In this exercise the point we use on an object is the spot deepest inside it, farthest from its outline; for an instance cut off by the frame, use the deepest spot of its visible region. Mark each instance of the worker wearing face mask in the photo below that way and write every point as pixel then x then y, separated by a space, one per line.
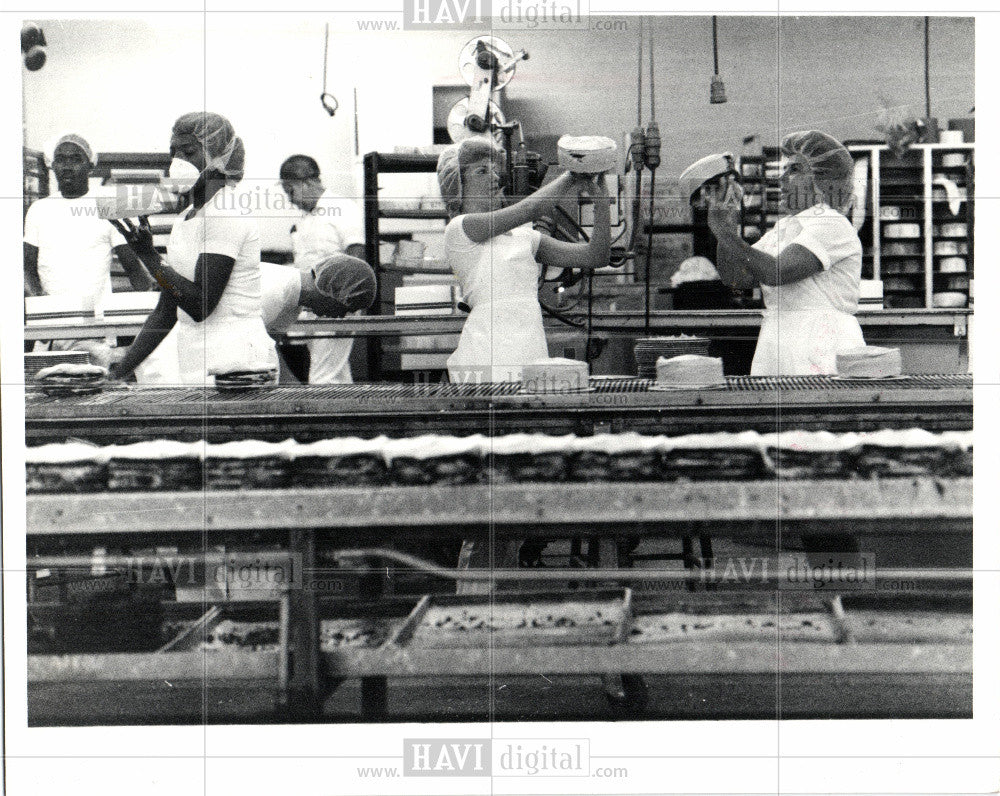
pixel 330 225
pixel 808 265
pixel 210 278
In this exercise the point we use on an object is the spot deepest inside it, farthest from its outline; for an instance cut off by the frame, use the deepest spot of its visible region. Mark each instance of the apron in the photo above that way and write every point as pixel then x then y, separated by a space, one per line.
pixel 227 344
pixel 803 342
pixel 329 357
pixel 499 337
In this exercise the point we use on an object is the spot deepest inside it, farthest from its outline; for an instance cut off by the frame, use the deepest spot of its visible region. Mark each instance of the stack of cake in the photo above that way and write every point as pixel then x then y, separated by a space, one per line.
pixel 869 362
pixel 242 380
pixel 70 378
pixel 650 349
pixel 156 465
pixel 689 371
pixel 433 459
pixel 344 461
pixel 556 375
pixel 248 464
pixel 35 362
pixel 66 467
pixel 441 460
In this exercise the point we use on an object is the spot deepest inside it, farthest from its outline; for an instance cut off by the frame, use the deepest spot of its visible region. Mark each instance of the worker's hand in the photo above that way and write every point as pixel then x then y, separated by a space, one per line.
pixel 139 238
pixel 722 216
pixel 115 360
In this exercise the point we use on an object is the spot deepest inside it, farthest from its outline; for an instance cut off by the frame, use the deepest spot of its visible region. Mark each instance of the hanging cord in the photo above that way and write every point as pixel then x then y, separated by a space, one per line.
pixel 326 98
pixel 652 153
pixel 927 65
pixel 715 44
pixel 652 86
pixel 638 112
pixel 649 248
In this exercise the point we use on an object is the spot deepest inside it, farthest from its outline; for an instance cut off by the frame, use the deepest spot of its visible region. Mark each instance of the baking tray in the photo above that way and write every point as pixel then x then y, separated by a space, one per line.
pixel 520 619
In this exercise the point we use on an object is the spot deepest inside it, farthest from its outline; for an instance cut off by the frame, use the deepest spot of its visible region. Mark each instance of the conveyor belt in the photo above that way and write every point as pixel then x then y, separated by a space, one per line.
pixel 936 402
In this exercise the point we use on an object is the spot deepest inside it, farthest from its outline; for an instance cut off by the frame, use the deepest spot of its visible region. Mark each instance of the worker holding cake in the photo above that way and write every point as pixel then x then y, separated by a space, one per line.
pixel 498 258
pixel 808 265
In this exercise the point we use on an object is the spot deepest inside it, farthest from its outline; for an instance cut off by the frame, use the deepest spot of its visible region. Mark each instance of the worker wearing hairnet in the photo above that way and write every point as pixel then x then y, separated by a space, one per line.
pixel 210 278
pixel 330 225
pixel 808 265
pixel 68 250
pixel 344 285
pixel 498 257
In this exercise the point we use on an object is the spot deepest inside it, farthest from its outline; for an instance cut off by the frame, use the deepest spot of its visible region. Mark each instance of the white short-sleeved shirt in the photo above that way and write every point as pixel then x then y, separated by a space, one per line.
pixel 220 227
pixel 334 224
pixel 233 336
pixel 502 267
pixel 74 245
pixel 832 238
pixel 280 289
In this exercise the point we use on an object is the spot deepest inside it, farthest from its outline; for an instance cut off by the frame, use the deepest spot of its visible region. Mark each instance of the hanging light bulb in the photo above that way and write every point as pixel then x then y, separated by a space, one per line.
pixel 32 44
pixel 717 92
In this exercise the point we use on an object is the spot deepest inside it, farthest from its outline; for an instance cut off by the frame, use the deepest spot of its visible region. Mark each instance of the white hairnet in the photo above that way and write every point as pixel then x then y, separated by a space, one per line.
pixel 831 164
pixel 453 160
pixel 347 280
pixel 76 140
pixel 223 148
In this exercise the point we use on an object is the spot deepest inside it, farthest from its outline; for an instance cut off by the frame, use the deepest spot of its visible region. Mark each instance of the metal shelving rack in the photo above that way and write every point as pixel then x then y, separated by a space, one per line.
pixel 906 183
pixel 375 164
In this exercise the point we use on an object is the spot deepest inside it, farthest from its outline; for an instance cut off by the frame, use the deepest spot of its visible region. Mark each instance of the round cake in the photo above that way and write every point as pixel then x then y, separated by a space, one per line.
pixel 556 375
pixel 689 370
pixel 869 362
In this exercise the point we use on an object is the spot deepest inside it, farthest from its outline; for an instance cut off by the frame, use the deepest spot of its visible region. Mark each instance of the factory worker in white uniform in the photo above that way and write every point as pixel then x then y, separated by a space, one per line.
pixel 343 285
pixel 498 258
pixel 331 224
pixel 210 279
pixel 808 265
pixel 68 250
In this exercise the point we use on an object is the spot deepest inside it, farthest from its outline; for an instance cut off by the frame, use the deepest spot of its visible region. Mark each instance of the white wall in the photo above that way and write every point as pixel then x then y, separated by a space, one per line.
pixel 122 83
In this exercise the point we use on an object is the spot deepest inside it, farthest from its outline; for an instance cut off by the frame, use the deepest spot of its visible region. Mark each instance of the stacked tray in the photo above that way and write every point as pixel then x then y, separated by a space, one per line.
pixel 243 380
pixel 650 349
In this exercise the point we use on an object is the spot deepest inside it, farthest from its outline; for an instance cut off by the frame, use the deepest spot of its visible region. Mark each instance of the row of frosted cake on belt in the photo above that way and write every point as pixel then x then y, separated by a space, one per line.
pixel 447 460
pixel 693 370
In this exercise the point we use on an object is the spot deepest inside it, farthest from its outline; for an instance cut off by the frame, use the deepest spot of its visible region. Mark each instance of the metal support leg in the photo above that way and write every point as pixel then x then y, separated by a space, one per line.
pixel 374 690
pixel 626 693
pixel 304 696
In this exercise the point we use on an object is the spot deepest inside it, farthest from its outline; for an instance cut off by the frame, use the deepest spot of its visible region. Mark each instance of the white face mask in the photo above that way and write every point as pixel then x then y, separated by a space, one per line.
pixel 182 175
